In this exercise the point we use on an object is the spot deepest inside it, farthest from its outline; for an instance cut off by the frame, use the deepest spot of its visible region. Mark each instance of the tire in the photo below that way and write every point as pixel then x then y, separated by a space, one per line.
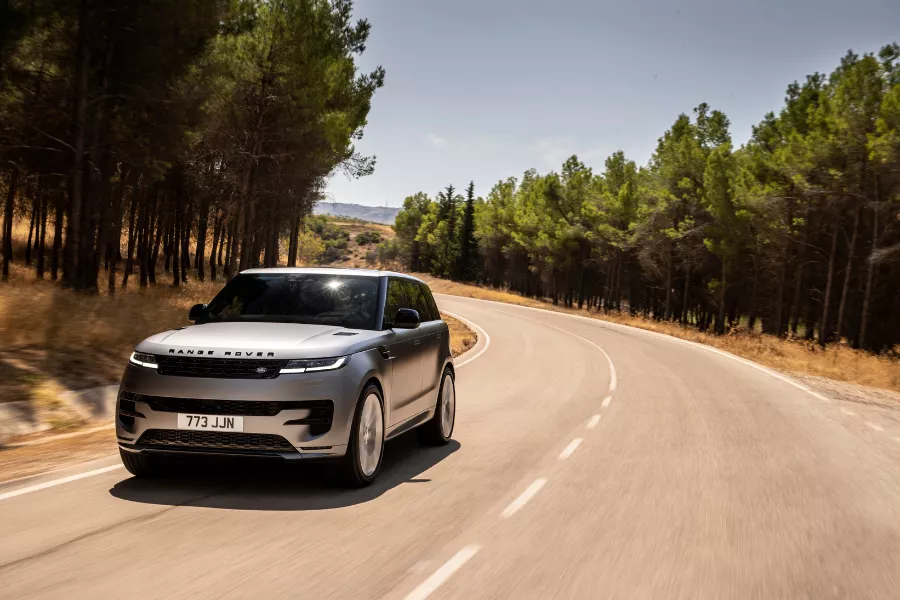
pixel 140 465
pixel 365 449
pixel 439 429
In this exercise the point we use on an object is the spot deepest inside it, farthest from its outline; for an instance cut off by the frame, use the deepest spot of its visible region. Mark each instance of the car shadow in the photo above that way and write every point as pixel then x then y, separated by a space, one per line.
pixel 259 484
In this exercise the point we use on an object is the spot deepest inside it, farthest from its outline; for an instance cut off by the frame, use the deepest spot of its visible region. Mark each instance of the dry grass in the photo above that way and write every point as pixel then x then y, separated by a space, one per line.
pixel 461 337
pixel 81 341
pixel 836 361
pixel 31 460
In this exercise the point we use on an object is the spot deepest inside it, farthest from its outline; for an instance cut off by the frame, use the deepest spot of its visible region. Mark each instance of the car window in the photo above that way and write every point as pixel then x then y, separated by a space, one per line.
pixel 403 293
pixel 345 301
pixel 429 298
pixel 420 304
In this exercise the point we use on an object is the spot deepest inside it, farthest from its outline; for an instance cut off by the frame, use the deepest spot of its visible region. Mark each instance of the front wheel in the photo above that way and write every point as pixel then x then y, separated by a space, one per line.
pixel 439 429
pixel 366 445
pixel 140 465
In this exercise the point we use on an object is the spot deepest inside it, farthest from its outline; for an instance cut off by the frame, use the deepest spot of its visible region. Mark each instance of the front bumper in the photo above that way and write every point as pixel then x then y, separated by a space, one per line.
pixel 293 416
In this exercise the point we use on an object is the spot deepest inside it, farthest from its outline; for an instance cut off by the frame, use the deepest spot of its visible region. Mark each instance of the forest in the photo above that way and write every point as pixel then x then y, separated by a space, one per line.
pixel 794 234
pixel 191 133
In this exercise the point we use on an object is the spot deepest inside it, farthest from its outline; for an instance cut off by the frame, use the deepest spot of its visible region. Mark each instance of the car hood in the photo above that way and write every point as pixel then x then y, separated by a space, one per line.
pixel 261 340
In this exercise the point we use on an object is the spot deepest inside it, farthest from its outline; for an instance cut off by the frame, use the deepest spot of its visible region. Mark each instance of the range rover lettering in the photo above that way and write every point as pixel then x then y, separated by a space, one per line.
pixel 297 364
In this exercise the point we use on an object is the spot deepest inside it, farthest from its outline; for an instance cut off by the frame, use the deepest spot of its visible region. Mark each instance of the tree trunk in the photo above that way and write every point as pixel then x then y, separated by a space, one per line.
pixel 57 236
pixel 32 237
pixel 73 270
pixel 668 307
pixel 202 227
pixel 720 317
pixel 826 302
pixel 8 220
pixel 847 272
pixel 295 238
pixel 132 235
pixel 176 244
pixel 216 243
pixel 870 276
pixel 42 240
pixel 684 299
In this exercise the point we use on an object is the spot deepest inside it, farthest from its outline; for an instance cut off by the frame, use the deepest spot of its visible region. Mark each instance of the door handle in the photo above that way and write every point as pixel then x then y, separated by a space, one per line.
pixel 416 342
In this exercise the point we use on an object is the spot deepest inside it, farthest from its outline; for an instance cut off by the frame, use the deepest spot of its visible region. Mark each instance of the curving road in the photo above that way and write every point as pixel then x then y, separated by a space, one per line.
pixel 590 461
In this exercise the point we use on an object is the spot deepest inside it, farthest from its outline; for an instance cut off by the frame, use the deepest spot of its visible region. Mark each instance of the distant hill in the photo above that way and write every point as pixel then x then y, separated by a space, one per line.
pixel 376 214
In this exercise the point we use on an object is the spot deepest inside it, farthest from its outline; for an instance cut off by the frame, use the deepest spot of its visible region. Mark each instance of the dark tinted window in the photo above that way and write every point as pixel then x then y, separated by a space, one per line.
pixel 297 298
pixel 435 313
pixel 403 293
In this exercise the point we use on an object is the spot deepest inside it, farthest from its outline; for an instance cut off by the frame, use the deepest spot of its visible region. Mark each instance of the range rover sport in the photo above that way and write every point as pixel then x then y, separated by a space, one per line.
pixel 293 363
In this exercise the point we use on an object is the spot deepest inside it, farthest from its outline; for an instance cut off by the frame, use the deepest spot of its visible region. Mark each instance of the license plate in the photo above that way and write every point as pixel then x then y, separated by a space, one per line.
pixel 210 423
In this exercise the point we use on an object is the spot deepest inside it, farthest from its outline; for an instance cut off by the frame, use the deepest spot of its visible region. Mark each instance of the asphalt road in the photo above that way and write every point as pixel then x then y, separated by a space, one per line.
pixel 589 461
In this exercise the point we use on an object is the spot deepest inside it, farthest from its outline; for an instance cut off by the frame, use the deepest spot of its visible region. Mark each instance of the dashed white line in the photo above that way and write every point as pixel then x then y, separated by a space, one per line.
pixel 427 587
pixel 875 426
pixel 606 401
pixel 487 338
pixel 568 450
pixel 523 498
pixel 848 412
pixel 49 484
pixel 592 422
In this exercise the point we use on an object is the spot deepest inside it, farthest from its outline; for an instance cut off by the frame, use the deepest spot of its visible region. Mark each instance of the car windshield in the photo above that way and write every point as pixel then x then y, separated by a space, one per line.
pixel 339 300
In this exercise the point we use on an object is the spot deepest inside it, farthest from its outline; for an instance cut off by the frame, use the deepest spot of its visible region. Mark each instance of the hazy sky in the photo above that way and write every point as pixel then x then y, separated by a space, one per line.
pixel 483 90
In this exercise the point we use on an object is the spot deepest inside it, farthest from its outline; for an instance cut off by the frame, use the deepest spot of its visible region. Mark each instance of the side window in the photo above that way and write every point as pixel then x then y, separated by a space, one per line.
pixel 429 300
pixel 396 299
pixel 417 301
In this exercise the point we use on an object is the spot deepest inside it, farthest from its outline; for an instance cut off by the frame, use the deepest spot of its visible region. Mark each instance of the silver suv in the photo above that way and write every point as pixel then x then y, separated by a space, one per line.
pixel 296 364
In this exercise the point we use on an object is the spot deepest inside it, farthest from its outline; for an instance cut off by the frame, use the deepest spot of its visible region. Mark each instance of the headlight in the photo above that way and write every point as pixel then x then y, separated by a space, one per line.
pixel 314 364
pixel 143 359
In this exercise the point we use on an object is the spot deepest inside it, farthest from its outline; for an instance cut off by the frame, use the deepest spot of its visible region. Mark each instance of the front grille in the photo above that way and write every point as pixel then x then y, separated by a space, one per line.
pixel 215 440
pixel 241 408
pixel 219 368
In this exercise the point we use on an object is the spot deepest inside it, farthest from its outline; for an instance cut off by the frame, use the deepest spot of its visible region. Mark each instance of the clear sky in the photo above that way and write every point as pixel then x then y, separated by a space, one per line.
pixel 484 89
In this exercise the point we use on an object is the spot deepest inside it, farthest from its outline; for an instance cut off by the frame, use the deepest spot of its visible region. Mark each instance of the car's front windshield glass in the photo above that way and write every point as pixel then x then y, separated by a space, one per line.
pixel 340 300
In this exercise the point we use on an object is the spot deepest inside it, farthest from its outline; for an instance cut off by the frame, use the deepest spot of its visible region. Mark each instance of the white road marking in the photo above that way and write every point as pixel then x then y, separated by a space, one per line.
pixel 427 587
pixel 638 330
pixel 523 498
pixel 487 338
pixel 848 412
pixel 613 379
pixel 55 482
pixel 606 401
pixel 62 436
pixel 875 426
pixel 568 450
pixel 592 422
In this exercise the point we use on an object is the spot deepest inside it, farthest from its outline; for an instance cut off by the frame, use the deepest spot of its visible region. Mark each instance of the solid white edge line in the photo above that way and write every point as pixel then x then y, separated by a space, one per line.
pixel 606 401
pixel 613 378
pixel 61 436
pixel 523 498
pixel 592 422
pixel 427 587
pixel 570 449
pixel 49 484
pixel 487 338
pixel 611 325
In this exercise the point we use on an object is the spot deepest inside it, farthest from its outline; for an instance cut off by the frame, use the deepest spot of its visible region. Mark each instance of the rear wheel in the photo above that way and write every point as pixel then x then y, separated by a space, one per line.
pixel 366 445
pixel 439 429
pixel 140 465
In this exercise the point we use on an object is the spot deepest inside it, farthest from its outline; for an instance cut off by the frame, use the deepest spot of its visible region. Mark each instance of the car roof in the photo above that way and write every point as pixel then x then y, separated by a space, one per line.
pixel 329 271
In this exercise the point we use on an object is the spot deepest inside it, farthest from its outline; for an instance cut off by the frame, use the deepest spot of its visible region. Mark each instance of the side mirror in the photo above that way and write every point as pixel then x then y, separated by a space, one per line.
pixel 196 312
pixel 406 318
